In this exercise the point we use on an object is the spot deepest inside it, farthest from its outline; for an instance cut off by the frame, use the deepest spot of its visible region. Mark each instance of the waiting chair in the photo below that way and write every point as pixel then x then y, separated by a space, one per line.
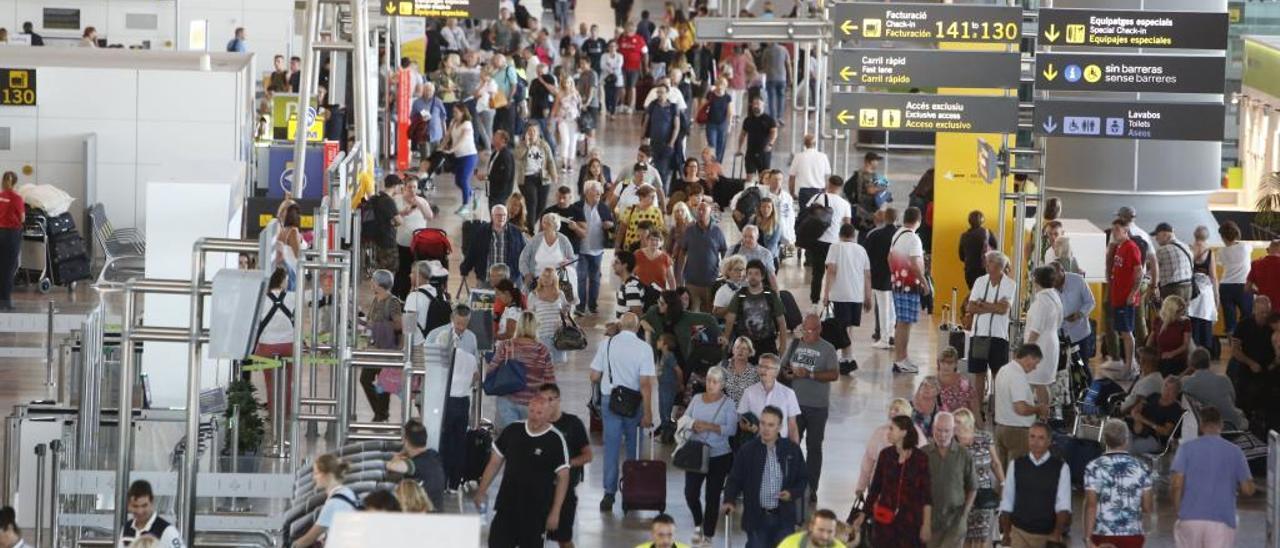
pixel 124 249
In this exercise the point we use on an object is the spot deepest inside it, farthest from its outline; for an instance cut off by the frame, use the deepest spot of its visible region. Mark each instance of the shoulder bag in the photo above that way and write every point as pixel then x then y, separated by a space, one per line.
pixel 980 346
pixel 694 455
pixel 509 378
pixel 569 336
pixel 880 512
pixel 1195 289
pixel 623 401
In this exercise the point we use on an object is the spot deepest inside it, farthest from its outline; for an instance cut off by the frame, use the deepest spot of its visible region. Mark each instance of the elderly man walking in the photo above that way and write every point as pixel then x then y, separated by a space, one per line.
pixel 953 482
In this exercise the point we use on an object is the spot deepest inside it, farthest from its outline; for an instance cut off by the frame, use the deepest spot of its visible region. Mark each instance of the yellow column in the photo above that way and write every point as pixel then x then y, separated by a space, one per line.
pixel 959 190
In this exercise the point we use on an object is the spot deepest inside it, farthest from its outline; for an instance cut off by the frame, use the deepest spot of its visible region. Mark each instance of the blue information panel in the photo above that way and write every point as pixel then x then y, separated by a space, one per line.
pixel 280 175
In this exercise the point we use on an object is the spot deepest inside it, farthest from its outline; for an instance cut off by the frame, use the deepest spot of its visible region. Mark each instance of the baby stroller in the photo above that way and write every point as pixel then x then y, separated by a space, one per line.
pixel 433 245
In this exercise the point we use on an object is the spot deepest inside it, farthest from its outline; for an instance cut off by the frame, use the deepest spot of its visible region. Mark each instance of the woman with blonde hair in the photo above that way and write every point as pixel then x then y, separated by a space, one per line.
pixel 550 305
pixel 536 358
pixel 899 407
pixel 549 248
pixel 517 213
pixel 484 108
pixel 535 172
pixel 1065 257
pixel 413 498
pixel 733 269
pixel 681 220
pixel 740 373
pixel 328 473
pixel 1171 336
pixel 462 145
pixel 990 477
pixel 566 111
pixel 766 221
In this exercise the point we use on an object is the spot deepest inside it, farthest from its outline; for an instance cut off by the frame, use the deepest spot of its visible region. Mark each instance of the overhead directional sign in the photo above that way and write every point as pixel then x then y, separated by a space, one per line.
pixel 462 9
pixel 929 113
pixel 926 22
pixel 926 68
pixel 1128 120
pixel 1133 29
pixel 1116 72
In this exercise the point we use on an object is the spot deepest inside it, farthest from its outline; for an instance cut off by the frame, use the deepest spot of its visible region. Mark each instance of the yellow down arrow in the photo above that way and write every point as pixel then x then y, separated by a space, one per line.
pixel 391 7
pixel 848 27
pixel 847 73
pixel 1049 73
pixel 844 117
pixel 1052 34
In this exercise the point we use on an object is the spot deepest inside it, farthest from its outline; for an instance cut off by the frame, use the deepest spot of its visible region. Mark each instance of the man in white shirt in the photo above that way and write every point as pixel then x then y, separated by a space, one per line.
pixel 1015 403
pixel 770 392
pixel 848 282
pixel 624 361
pixel 809 169
pixel 841 214
pixel 1024 519
pixel 142 508
pixel 989 303
pixel 457 408
pixel 906 264
pixel 425 309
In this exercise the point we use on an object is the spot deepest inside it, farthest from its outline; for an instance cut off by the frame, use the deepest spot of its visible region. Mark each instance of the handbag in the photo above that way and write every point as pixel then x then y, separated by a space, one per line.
pixel 814 221
pixel 704 113
pixel 623 401
pixel 880 512
pixel 694 455
pixel 980 346
pixel 569 336
pixel 986 499
pixel 498 100
pixel 834 330
pixel 509 378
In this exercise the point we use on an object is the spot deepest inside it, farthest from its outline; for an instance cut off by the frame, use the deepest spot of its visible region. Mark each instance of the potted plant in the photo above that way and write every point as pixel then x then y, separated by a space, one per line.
pixel 1268 204
pixel 240 395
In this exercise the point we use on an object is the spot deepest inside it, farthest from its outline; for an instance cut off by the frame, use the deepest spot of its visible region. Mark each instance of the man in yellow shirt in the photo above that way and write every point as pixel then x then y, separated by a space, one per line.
pixel 820 534
pixel 662 534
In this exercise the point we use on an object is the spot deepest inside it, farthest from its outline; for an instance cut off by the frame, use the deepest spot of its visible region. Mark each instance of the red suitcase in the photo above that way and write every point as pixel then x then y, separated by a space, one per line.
pixel 644 482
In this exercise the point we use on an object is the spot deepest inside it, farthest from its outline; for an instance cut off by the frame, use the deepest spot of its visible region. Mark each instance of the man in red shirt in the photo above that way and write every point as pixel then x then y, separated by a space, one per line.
pixel 633 49
pixel 1124 274
pixel 1264 275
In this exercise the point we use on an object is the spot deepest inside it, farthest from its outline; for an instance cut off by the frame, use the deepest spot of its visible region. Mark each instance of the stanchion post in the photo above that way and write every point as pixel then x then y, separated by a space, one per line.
pixel 39 528
pixel 55 470
pixel 48 346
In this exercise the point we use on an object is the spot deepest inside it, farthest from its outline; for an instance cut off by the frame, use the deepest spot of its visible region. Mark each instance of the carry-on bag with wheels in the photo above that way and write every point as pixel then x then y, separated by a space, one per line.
pixel 644 482
pixel 790 310
pixel 951 333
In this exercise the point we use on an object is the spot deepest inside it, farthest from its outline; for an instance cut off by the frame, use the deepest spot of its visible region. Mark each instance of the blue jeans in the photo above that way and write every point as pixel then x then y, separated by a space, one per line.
pixel 769 531
pixel 463 168
pixel 547 134
pixel 1202 334
pixel 510 412
pixel 589 280
pixel 662 159
pixel 777 97
pixel 716 138
pixel 1234 298
pixel 666 397
pixel 617 429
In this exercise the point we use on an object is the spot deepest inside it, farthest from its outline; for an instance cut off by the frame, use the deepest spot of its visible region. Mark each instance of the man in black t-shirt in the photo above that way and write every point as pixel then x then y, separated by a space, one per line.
pixel 1154 420
pixel 540 100
pixel 878 242
pixel 759 131
pixel 579 446
pixel 419 463
pixel 1252 354
pixel 380 231
pixel 536 479
pixel 595 47
pixel 757 313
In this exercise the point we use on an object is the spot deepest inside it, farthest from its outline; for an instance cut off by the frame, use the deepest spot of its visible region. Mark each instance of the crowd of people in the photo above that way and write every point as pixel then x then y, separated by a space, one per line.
pixel 706 346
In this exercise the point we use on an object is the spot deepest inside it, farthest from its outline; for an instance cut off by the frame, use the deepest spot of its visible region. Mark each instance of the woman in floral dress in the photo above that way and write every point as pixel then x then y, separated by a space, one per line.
pixel 990 477
pixel 956 392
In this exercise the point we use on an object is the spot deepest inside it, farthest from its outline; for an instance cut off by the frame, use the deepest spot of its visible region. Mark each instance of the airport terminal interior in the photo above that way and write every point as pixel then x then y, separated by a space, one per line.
pixel 800 208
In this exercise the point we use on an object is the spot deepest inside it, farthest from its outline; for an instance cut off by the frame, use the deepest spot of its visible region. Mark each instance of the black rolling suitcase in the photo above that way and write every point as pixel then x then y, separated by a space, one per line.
pixel 791 310
pixel 61 224
pixel 951 333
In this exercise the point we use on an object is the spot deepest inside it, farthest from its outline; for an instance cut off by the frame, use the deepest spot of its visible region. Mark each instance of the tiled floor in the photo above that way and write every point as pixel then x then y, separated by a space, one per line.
pixel 858 403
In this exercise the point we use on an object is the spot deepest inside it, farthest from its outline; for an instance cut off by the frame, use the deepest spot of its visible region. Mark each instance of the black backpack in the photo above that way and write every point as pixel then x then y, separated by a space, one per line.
pixel 652 293
pixel 746 206
pixel 438 311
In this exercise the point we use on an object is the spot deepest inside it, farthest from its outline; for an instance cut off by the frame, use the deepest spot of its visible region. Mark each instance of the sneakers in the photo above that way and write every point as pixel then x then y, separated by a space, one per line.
pixel 905 366
pixel 882 345
pixel 699 540
pixel 606 503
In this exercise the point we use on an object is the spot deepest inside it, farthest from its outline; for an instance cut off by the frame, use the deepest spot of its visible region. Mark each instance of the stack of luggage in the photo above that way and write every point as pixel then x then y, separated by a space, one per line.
pixel 68 253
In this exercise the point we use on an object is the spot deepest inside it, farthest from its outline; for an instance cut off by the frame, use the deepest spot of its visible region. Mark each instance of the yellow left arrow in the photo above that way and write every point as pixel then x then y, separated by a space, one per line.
pixel 847 73
pixel 848 27
pixel 844 117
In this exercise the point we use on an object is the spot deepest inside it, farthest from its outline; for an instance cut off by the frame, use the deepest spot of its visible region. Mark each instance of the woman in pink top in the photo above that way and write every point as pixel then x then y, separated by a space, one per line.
pixel 536 358
pixel 899 407
pixel 956 393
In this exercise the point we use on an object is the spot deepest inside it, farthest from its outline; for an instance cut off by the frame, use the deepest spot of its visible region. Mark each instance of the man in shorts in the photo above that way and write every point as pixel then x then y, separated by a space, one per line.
pixel 1124 277
pixel 633 48
pixel 759 131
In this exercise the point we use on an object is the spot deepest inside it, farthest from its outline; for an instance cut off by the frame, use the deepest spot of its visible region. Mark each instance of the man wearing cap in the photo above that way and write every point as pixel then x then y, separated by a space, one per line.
pixel 1147 282
pixel 1175 264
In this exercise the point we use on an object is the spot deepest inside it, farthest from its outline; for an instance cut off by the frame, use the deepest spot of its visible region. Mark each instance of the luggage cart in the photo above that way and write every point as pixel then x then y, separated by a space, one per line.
pixel 34 258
